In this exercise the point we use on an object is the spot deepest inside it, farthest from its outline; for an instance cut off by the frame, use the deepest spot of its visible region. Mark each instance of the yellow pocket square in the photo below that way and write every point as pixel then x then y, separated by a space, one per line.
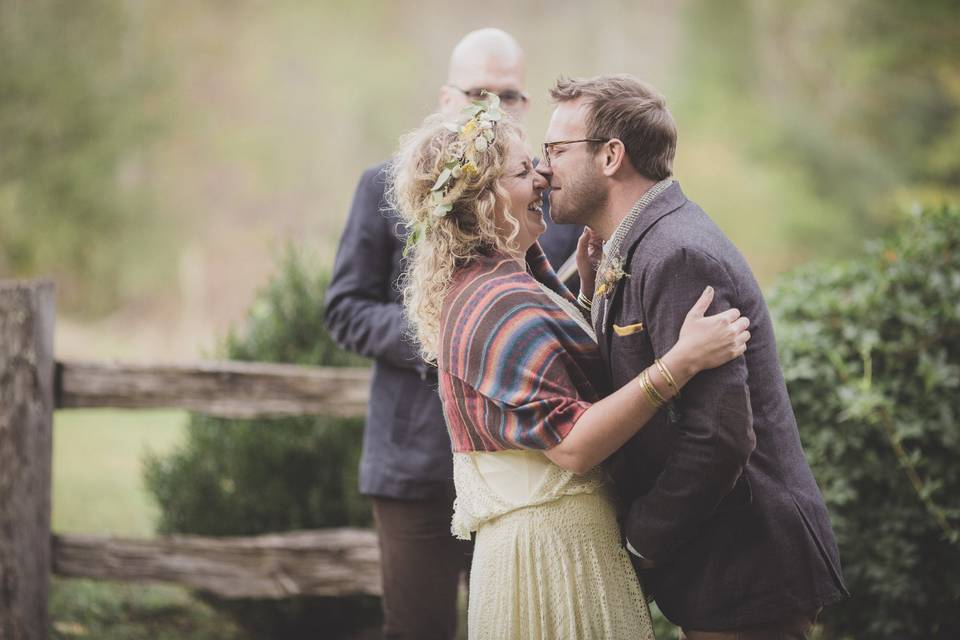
pixel 630 329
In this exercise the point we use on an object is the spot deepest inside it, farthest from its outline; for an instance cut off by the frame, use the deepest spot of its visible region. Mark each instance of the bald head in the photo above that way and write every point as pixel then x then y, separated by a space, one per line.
pixel 485 59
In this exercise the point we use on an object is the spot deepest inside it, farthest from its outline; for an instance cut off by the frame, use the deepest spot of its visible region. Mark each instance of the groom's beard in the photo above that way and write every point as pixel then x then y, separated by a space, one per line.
pixel 581 199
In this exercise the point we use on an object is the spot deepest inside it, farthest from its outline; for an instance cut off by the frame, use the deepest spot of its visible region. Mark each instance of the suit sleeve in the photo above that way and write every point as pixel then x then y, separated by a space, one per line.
pixel 715 421
pixel 361 312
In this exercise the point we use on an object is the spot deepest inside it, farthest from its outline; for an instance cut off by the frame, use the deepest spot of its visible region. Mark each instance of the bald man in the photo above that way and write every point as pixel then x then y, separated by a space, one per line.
pixel 487 59
pixel 406 466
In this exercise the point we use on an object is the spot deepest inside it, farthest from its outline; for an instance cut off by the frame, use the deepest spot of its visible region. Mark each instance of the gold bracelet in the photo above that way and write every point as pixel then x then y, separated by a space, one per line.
pixel 582 300
pixel 651 392
pixel 646 391
pixel 671 381
pixel 655 397
pixel 653 388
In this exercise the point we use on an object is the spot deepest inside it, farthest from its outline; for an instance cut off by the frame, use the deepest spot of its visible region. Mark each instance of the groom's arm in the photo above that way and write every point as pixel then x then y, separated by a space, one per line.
pixel 715 422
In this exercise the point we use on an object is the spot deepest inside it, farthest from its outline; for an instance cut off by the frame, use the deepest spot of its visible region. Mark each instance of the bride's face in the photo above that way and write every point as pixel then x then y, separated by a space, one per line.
pixel 525 187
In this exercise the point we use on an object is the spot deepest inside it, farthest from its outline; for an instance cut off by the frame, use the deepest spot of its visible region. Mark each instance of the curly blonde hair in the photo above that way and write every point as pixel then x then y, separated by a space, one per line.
pixel 446 243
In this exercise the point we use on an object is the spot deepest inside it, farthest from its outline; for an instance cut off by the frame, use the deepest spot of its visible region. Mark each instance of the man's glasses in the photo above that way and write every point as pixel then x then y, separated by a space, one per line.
pixel 550 145
pixel 508 97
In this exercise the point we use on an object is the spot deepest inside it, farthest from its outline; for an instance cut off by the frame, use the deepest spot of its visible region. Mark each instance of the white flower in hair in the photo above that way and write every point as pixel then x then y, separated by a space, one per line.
pixel 475 134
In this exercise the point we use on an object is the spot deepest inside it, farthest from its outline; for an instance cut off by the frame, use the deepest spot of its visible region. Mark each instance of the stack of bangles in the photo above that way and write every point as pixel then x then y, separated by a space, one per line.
pixel 584 302
pixel 653 395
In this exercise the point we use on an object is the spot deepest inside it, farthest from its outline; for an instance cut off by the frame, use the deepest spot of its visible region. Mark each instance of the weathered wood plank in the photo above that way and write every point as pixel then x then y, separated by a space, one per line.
pixel 332 562
pixel 227 389
pixel 27 311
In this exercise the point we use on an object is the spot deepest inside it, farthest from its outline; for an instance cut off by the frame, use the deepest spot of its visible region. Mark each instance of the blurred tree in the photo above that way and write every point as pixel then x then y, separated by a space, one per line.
pixel 881 78
pixel 74 112
pixel 863 96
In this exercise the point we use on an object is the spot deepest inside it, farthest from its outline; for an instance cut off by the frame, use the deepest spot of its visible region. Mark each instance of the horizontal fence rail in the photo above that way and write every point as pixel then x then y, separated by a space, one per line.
pixel 225 389
pixel 329 562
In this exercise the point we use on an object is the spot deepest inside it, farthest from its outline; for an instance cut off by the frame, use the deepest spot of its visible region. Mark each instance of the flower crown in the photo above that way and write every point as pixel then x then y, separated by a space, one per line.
pixel 473 136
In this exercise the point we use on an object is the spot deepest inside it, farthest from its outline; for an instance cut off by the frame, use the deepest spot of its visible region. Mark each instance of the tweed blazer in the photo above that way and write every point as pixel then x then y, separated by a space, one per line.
pixel 715 489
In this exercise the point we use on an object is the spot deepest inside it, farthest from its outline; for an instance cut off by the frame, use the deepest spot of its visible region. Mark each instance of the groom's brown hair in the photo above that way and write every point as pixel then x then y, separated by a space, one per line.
pixel 622 107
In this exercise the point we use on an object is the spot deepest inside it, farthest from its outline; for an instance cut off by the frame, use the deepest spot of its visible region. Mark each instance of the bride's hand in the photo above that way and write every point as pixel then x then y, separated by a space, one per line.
pixel 589 252
pixel 709 341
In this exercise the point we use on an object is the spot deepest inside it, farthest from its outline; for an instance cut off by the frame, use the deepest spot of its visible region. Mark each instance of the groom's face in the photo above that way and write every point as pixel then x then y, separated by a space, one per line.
pixel 578 192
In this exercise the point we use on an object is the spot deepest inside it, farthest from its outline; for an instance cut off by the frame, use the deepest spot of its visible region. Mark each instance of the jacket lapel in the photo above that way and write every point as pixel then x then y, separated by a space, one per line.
pixel 667 202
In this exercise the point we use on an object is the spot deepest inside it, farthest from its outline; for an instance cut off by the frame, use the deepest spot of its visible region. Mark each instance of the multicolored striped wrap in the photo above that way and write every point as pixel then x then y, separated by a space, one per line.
pixel 515 370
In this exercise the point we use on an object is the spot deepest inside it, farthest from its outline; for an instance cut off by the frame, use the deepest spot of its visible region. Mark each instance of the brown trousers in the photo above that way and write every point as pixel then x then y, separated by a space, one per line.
pixel 421 563
pixel 797 627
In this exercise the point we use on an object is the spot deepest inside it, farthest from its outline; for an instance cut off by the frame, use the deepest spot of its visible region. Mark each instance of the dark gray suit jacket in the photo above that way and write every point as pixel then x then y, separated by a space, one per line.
pixel 406 449
pixel 715 489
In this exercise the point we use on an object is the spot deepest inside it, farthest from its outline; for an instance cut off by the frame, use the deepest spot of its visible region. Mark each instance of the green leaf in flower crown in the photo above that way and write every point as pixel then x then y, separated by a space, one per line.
pixel 451 126
pixel 474 109
pixel 493 100
pixel 442 209
pixel 441 179
pixel 416 232
pixel 437 197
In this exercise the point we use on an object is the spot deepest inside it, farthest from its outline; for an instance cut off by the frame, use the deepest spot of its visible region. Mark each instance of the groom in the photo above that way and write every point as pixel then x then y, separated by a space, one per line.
pixel 722 516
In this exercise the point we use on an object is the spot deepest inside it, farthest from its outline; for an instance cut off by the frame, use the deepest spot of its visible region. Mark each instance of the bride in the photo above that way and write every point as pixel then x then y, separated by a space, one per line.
pixel 523 385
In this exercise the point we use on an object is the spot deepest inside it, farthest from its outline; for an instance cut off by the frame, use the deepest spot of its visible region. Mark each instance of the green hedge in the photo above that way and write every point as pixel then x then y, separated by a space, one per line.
pixel 246 477
pixel 871 353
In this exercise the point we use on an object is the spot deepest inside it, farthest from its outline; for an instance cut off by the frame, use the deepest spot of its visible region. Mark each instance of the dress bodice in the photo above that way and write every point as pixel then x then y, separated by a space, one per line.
pixel 491 484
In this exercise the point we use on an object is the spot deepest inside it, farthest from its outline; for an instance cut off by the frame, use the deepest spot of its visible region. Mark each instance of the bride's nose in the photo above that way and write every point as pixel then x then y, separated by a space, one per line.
pixel 539 181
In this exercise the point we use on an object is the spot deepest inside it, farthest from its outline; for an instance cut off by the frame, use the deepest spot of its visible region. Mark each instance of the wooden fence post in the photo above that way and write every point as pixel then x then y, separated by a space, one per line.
pixel 27 311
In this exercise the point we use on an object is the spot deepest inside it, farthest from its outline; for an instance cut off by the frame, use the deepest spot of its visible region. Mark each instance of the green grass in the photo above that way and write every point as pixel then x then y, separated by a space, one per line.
pixel 98 489
pixel 97 485
pixel 116 611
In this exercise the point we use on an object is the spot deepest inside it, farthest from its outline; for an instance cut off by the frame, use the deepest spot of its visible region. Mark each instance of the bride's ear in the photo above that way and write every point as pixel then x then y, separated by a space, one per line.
pixel 613 155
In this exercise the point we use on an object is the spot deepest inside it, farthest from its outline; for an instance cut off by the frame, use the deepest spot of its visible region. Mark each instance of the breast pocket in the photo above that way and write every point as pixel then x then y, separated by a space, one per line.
pixel 631 350
pixel 627 330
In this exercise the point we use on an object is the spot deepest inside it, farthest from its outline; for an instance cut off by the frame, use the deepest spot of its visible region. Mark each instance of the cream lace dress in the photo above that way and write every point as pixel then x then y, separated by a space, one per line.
pixel 547 562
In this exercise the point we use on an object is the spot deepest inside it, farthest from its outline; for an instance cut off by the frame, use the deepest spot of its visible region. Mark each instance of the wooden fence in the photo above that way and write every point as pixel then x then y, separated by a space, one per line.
pixel 33 384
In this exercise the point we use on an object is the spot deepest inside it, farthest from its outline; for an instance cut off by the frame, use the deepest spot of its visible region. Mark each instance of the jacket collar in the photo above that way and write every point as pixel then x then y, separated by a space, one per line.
pixel 667 202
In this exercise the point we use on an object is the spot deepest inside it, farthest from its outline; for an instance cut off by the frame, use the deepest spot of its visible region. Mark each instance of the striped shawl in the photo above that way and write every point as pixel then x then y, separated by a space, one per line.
pixel 515 370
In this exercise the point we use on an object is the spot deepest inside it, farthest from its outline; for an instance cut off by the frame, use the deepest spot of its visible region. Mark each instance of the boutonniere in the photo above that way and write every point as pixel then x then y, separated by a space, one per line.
pixel 610 274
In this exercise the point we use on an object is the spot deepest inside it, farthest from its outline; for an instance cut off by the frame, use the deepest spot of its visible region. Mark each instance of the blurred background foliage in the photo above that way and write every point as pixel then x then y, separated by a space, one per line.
pixel 78 109
pixel 157 156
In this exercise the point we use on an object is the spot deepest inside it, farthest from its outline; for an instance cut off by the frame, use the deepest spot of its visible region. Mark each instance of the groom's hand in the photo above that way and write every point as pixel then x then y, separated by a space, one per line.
pixel 589 252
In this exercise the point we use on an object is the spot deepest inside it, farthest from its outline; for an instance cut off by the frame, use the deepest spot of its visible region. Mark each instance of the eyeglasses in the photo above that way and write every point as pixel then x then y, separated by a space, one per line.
pixel 549 145
pixel 508 97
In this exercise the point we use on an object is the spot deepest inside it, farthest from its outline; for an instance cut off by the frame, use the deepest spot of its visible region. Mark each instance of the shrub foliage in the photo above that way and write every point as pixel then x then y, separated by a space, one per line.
pixel 247 477
pixel 871 352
